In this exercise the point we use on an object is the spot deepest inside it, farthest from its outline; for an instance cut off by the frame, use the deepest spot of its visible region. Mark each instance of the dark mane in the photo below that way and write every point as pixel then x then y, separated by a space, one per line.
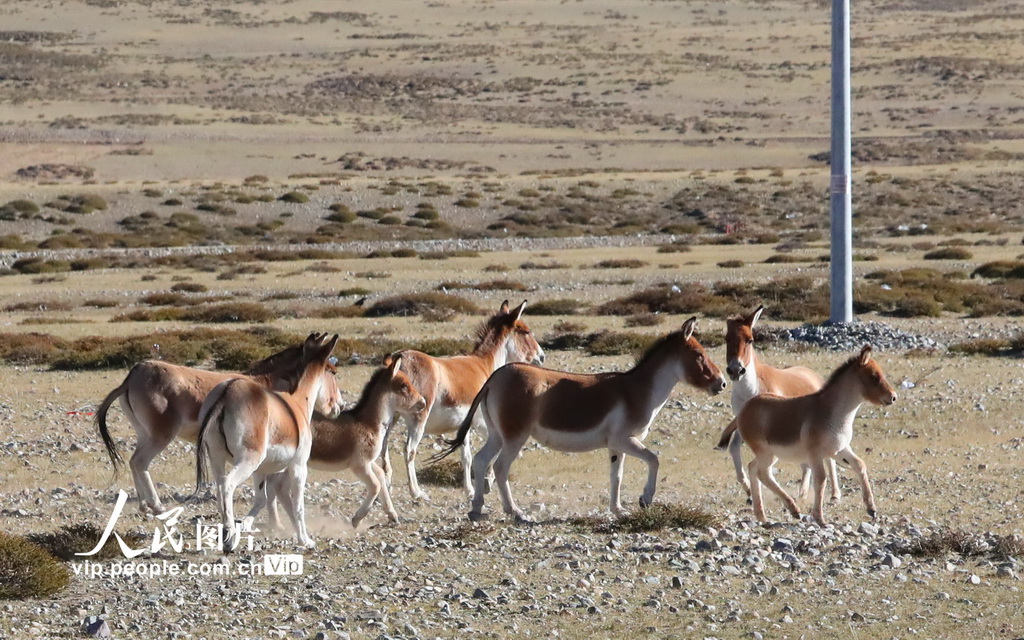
pixel 651 350
pixel 483 331
pixel 842 369
pixel 364 395
pixel 273 363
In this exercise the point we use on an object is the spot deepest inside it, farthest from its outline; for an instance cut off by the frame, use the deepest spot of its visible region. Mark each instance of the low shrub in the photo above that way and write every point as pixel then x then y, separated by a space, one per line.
pixel 416 303
pixel 731 264
pixel 556 307
pixel 644 320
pixel 445 473
pixel 543 265
pixel 617 343
pixel 296 197
pixel 490 285
pixel 621 263
pixel 29 571
pixel 80 538
pixel 949 253
pixel 190 287
pixel 653 518
pixel 1000 270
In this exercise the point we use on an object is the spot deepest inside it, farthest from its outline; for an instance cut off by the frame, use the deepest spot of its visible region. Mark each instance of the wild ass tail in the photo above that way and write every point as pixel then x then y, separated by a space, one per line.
pixel 213 409
pixel 723 442
pixel 101 423
pixel 467 424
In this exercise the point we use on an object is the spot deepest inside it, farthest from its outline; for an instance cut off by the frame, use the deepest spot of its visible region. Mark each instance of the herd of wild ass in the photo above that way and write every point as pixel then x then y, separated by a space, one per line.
pixel 286 416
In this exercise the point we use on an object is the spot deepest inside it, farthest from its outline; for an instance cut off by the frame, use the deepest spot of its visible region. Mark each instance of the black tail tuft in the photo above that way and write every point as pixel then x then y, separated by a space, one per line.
pixel 101 424
pixel 451 446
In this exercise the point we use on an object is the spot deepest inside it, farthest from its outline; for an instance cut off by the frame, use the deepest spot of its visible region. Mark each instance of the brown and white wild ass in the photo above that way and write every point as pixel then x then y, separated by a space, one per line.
pixel 751 376
pixel 811 429
pixel 353 439
pixel 583 412
pixel 162 400
pixel 448 385
pixel 262 432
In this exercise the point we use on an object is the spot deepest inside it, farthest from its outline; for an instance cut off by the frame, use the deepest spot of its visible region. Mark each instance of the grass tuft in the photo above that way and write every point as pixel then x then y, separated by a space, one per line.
pixel 79 538
pixel 654 518
pixel 27 570
pixel 445 473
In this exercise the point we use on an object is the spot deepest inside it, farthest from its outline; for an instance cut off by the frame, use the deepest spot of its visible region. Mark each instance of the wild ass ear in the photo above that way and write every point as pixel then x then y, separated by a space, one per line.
pixel 518 312
pixel 503 309
pixel 310 344
pixel 327 346
pixel 865 354
pixel 395 366
pixel 753 317
pixel 688 327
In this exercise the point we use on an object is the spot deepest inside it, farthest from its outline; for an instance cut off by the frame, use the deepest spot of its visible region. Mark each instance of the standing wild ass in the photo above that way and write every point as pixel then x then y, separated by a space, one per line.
pixel 448 385
pixel 583 412
pixel 262 432
pixel 353 439
pixel 751 377
pixel 811 429
pixel 162 400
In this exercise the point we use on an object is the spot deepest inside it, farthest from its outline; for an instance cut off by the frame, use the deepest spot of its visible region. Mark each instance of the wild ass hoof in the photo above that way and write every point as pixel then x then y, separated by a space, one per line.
pixel 645 502
pixel 836 499
pixel 750 501
pixel 487 486
pixel 355 523
pixel 521 520
pixel 872 514
pixel 421 496
pixel 477 516
pixel 309 543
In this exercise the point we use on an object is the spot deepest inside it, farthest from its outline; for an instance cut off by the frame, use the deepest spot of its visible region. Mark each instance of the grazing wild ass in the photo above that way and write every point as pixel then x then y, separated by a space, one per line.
pixel 162 400
pixel 449 385
pixel 583 412
pixel 811 429
pixel 353 438
pixel 751 377
pixel 262 432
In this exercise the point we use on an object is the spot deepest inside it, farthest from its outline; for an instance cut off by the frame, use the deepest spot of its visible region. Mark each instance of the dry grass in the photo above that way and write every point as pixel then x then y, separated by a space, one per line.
pixel 656 517
pixel 29 571
pixel 444 473
pixel 80 538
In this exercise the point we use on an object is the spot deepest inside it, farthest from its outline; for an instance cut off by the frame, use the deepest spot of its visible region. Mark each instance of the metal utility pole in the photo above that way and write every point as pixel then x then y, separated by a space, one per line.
pixel 839 186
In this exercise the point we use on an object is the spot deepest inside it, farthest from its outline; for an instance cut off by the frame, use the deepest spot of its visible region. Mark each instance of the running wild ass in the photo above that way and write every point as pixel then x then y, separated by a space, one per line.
pixel 262 432
pixel 751 377
pixel 811 429
pixel 448 385
pixel 582 412
pixel 352 440
pixel 162 400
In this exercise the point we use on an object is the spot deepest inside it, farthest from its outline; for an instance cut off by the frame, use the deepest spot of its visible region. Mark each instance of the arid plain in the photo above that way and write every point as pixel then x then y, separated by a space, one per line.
pixel 218 179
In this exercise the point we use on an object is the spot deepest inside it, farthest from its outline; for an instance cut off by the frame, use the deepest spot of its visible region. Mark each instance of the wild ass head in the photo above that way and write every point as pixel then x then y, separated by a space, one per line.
pixel 284 369
pixel 874 387
pixel 698 369
pixel 739 343
pixel 507 334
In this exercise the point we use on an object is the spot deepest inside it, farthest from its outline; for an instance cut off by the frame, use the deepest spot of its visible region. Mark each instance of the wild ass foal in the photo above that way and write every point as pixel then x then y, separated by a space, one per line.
pixel 583 412
pixel 262 432
pixel 448 385
pixel 751 377
pixel 353 439
pixel 811 429
pixel 162 400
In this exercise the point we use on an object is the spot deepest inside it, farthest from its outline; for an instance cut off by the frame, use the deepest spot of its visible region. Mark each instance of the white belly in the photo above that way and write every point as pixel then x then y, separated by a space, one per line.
pixel 571 441
pixel 443 419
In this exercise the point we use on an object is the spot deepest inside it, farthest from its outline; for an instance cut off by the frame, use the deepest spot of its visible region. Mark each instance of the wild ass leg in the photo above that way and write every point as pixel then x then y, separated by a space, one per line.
pixel 467 465
pixel 858 465
pixel 294 483
pixel 389 507
pixel 261 491
pixel 736 451
pixel 412 444
pixel 833 478
pixel 369 478
pixel 755 492
pixel 766 475
pixel 147 447
pixel 482 462
pixel 226 486
pixel 275 494
pixel 385 452
pixel 632 446
pixel 805 482
pixel 818 471
pixel 509 453
pixel 616 458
